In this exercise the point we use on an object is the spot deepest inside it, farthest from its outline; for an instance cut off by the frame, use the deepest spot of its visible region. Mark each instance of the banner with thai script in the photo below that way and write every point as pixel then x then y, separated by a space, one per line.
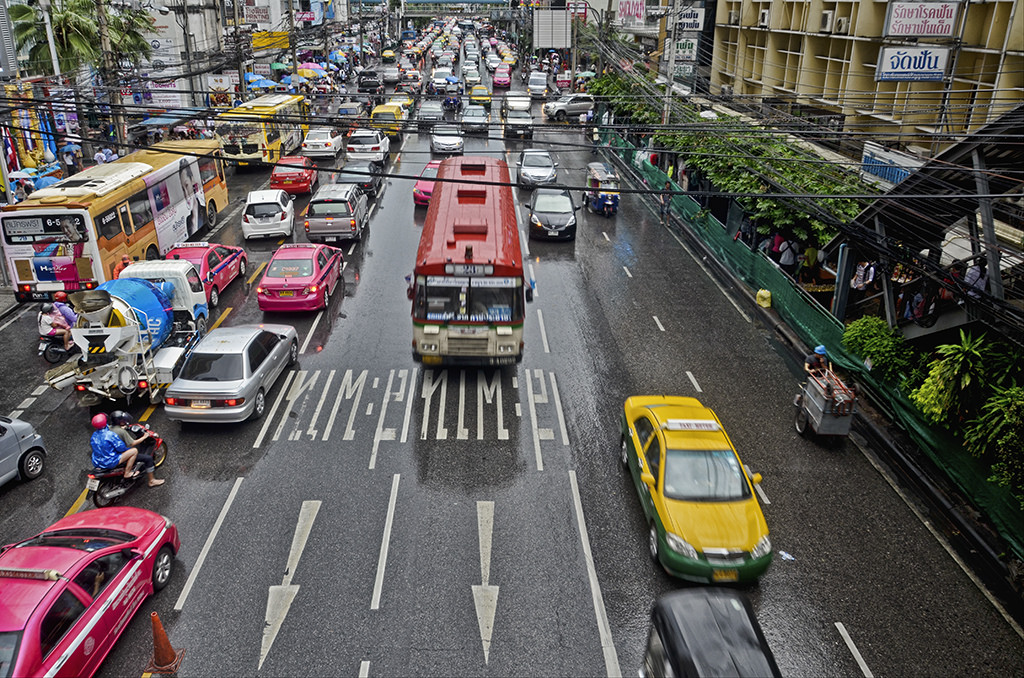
pixel 631 11
pixel 912 63
pixel 921 19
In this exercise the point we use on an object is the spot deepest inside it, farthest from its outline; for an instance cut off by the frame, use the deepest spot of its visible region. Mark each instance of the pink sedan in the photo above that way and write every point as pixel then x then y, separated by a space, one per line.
pixel 502 78
pixel 424 187
pixel 217 264
pixel 300 277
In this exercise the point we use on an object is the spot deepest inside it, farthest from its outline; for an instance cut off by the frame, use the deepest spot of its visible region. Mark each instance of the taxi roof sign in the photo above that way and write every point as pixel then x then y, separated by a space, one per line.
pixel 20 573
pixel 190 244
pixel 691 425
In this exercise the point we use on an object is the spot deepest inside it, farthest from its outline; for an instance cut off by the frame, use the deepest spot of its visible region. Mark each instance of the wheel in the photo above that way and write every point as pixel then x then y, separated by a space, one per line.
pixel 152 254
pixel 101 497
pixel 54 353
pixel 293 353
pixel 214 297
pixel 31 465
pixel 652 542
pixel 560 116
pixel 162 567
pixel 801 422
pixel 624 452
pixel 211 215
pixel 201 326
pixel 160 454
pixel 241 269
pixel 259 404
pixel 327 297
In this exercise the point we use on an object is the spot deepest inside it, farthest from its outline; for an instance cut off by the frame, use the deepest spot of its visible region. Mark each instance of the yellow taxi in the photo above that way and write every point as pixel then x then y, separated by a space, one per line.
pixel 480 96
pixel 402 99
pixel 705 522
pixel 388 56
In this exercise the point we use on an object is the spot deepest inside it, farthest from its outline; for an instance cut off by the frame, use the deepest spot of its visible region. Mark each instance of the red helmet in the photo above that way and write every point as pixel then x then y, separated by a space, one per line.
pixel 99 421
pixel 60 296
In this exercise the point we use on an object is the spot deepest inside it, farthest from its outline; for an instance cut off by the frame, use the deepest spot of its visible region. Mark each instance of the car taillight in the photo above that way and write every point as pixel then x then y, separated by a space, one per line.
pixel 375 148
pixel 310 290
pixel 352 223
pixel 171 401
pixel 306 225
pixel 229 402
pixel 303 144
pixel 143 383
pixel 79 387
pixel 260 290
pixel 284 215
pixel 328 143
pixel 351 149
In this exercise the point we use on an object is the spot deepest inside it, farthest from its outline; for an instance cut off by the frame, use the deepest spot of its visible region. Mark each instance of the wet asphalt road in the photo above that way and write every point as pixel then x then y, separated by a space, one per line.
pixel 363 443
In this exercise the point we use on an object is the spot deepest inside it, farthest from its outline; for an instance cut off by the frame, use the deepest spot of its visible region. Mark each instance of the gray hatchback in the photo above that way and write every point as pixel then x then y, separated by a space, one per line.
pixel 22 453
pixel 336 212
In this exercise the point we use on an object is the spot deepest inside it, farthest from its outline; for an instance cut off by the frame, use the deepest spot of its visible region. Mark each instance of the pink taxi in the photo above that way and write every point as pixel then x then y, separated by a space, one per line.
pixel 300 277
pixel 70 591
pixel 502 77
pixel 424 187
pixel 217 264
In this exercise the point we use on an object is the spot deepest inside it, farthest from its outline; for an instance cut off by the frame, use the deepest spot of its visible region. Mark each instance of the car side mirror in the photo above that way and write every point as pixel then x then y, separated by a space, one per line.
pixel 556 164
pixel 409 292
pixel 130 554
pixel 756 478
pixel 647 479
pixel 529 294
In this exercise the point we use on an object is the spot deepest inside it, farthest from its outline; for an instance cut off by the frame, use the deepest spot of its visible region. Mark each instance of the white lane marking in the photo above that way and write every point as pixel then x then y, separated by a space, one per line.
pixel 854 651
pixel 461 432
pixel 408 405
pixel 378 583
pixel 377 437
pixel 26 403
pixel 15 414
pixel 304 525
pixel 523 239
pixel 558 409
pixel 372 208
pixel 611 657
pixel 606 236
pixel 350 250
pixel 206 547
pixel 693 380
pixel 543 333
pixel 310 431
pixel 364 669
pixel 710 277
pixel 309 335
pixel 273 410
pixel 658 323
pixel 14 319
pixel 942 541
pixel 628 274
pixel 40 390
pixel 485 596
pixel 533 420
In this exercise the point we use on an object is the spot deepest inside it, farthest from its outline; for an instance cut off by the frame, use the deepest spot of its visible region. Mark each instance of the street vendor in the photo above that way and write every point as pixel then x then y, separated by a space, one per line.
pixel 817 363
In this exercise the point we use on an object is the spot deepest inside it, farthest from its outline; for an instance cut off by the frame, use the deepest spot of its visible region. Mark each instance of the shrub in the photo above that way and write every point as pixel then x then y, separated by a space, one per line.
pixel 889 356
pixel 998 433
pixel 956 382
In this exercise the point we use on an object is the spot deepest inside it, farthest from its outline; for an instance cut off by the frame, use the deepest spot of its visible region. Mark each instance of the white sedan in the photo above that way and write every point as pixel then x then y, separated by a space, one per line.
pixel 323 141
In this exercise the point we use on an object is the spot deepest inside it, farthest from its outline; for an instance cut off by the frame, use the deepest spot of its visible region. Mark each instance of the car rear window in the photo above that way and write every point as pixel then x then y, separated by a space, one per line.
pixel 328 209
pixel 263 209
pixel 318 135
pixel 552 202
pixel 213 367
pixel 384 116
pixel 362 140
pixel 290 268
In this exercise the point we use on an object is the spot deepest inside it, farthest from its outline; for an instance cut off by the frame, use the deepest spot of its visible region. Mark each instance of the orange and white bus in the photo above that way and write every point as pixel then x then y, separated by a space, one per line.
pixel 71 235
pixel 264 129
pixel 469 289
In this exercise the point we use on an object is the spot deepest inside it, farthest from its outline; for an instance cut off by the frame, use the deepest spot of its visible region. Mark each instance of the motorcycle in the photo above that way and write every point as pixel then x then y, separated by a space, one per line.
pixel 52 347
pixel 452 103
pixel 109 484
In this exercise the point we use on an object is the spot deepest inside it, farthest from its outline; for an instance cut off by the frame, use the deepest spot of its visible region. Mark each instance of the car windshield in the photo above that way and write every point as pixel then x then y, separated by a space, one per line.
pixel 327 209
pixel 263 209
pixel 704 475
pixel 552 202
pixel 429 172
pixel 83 539
pixel 382 115
pixel 213 367
pixel 290 268
pixel 519 115
pixel 536 160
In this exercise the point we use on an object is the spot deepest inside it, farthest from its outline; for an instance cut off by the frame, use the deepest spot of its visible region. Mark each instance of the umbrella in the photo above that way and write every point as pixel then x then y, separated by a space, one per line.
pixel 278 66
pixel 70 148
pixel 338 56
pixel 586 74
pixel 310 73
pixel 250 77
pixel 262 83
pixel 452 78
pixel 310 64
pixel 293 80
pixel 333 67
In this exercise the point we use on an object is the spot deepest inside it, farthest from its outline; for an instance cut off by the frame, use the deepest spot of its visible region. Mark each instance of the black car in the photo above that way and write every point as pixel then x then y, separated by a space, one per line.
pixel 552 214
pixel 366 175
pixel 371 82
pixel 518 124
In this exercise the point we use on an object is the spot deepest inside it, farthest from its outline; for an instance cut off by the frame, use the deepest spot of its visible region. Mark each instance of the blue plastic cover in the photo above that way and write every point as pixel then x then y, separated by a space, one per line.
pixel 151 305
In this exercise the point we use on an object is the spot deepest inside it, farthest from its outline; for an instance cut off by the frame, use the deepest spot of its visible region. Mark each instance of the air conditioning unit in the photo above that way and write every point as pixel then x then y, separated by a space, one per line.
pixel 842 25
pixel 726 90
pixel 734 17
pixel 827 17
pixel 762 17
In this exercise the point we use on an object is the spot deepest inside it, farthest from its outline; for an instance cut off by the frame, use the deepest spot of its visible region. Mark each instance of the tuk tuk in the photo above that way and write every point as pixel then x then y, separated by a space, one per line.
pixel 706 632
pixel 602 194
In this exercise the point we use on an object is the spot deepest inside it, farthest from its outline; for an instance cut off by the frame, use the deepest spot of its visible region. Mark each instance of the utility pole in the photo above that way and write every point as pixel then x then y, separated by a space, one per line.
pixel 188 53
pixel 292 35
pixel 239 52
pixel 671 70
pixel 109 80
pixel 571 6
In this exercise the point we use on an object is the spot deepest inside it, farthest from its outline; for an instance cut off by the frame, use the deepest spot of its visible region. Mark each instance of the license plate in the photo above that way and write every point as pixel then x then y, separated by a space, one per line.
pixel 200 404
pixel 42 346
pixel 286 293
pixel 331 238
pixel 725 575
pixel 288 181
pixel 553 234
pixel 92 484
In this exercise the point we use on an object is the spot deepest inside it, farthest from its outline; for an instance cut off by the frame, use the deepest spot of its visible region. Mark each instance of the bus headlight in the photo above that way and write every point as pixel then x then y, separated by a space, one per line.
pixel 507 348
pixel 428 348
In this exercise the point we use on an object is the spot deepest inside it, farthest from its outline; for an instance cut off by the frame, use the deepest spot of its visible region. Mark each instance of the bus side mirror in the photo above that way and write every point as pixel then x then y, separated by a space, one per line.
pixel 409 292
pixel 529 294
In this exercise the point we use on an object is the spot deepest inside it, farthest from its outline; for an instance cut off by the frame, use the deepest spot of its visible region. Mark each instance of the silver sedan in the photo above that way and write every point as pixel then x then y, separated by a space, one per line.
pixel 227 376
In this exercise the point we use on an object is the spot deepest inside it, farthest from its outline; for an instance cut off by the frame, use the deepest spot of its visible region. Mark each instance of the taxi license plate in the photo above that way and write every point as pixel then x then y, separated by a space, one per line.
pixel 331 238
pixel 92 484
pixel 288 181
pixel 200 404
pixel 286 293
pixel 725 575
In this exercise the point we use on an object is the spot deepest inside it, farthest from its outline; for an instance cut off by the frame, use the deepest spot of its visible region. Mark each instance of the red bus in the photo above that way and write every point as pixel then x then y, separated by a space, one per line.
pixel 468 288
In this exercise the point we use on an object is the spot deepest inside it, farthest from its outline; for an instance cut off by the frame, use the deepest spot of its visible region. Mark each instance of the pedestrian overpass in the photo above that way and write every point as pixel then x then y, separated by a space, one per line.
pixel 431 8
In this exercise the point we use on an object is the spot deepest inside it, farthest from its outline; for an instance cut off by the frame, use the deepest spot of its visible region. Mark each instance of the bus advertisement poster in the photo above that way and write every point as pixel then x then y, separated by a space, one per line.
pixel 177 198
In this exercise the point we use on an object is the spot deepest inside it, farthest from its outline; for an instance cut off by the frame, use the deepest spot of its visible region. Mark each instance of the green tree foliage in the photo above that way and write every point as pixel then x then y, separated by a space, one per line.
pixel 957 381
pixel 998 433
pixel 872 339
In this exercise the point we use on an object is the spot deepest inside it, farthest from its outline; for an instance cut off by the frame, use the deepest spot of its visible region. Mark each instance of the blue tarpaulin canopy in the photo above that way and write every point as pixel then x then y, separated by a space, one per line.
pixel 174 116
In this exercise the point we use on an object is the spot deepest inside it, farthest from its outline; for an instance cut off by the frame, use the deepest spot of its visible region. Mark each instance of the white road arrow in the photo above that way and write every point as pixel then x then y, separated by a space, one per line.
pixel 485 597
pixel 279 598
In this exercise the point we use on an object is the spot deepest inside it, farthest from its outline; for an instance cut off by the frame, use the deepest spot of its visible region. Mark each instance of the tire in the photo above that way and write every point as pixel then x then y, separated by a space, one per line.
pixel 211 215
pixel 214 297
pixel 327 297
pixel 623 452
pixel 54 353
pixel 560 116
pixel 293 353
pixel 260 405
pixel 652 542
pixel 100 498
pixel 802 423
pixel 31 465
pixel 241 269
pixel 152 254
pixel 163 565
pixel 201 326
pixel 160 454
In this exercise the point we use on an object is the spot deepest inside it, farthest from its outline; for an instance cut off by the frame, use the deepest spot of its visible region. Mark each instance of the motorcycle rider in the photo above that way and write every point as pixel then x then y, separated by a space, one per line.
pixel 60 302
pixel 53 324
pixel 109 452
pixel 132 434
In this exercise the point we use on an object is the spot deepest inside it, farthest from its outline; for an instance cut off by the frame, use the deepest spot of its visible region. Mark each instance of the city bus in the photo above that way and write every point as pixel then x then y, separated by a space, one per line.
pixel 70 236
pixel 468 288
pixel 264 129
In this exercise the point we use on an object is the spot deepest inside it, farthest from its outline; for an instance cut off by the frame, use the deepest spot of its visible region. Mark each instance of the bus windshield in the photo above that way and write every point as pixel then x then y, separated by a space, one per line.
pixel 468 299
pixel 239 131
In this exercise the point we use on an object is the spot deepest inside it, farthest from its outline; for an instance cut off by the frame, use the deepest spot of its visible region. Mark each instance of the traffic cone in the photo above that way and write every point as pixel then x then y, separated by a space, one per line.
pixel 165 659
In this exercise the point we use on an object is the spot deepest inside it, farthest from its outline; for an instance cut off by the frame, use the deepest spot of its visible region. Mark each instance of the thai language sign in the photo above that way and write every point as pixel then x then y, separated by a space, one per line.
pixel 912 63
pixel 691 19
pixel 921 19
pixel 632 11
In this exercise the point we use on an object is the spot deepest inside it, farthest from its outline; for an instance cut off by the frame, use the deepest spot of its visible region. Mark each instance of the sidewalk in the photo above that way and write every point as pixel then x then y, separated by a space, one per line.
pixel 8 305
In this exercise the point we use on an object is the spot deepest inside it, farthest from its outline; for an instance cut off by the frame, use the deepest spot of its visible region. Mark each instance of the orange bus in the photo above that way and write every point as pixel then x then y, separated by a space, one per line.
pixel 468 288
pixel 71 235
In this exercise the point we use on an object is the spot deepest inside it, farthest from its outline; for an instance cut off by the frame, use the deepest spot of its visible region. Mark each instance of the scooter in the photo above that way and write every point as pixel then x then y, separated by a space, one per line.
pixel 53 351
pixel 108 485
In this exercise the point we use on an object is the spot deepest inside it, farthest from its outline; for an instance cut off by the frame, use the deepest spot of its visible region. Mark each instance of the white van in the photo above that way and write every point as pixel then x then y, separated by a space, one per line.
pixel 537 87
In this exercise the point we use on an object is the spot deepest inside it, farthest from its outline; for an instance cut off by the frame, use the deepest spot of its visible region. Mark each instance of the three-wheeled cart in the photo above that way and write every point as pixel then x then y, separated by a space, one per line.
pixel 825 407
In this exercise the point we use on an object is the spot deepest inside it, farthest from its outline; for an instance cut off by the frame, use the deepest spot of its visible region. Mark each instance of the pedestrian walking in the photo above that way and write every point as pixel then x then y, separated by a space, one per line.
pixel 665 202
pixel 787 256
